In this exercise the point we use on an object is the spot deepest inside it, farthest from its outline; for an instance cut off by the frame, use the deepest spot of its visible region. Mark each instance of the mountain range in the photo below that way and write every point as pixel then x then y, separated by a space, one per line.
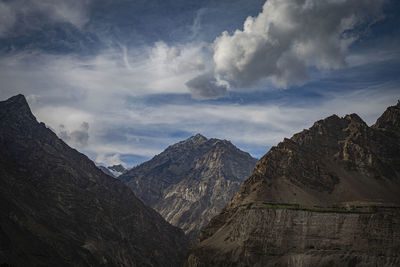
pixel 328 196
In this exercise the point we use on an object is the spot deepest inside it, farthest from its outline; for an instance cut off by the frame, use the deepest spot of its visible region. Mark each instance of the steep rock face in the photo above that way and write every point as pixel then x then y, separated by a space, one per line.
pixel 260 236
pixel 191 181
pixel 330 195
pixel 58 209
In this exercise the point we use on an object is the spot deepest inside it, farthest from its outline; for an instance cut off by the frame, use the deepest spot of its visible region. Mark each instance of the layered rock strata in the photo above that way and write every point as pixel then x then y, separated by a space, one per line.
pixel 329 196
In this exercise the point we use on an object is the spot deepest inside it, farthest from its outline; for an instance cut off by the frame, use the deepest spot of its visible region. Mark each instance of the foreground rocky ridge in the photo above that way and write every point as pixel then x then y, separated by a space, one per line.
pixel 260 236
pixel 191 181
pixel 329 196
pixel 58 209
pixel 336 161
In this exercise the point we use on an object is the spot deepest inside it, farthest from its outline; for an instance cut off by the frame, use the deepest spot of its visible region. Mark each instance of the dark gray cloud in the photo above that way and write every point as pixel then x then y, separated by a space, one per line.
pixel 36 13
pixel 287 37
pixel 79 137
pixel 205 86
pixel 7 18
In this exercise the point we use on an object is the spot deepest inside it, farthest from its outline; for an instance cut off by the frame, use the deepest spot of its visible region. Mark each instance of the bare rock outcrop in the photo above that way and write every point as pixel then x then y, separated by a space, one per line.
pixel 329 196
pixel 191 181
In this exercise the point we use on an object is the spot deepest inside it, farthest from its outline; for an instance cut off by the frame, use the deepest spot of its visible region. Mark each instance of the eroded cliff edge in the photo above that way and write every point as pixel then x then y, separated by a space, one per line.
pixel 329 196
pixel 286 237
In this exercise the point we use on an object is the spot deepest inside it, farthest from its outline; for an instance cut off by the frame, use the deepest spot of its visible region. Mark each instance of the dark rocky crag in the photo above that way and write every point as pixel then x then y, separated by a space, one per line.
pixel 329 196
pixel 58 209
pixel 191 181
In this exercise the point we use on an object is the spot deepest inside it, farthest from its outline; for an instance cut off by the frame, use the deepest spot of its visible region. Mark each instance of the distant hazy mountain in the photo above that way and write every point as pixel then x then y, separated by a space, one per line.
pixel 113 171
pixel 329 196
pixel 58 209
pixel 191 181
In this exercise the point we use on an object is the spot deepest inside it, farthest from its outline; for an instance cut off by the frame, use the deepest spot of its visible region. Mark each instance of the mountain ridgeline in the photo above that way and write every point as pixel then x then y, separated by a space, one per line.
pixel 328 196
pixel 58 209
pixel 191 181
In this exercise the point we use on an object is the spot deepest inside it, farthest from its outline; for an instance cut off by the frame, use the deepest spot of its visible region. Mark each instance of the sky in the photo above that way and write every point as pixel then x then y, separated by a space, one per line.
pixel 121 80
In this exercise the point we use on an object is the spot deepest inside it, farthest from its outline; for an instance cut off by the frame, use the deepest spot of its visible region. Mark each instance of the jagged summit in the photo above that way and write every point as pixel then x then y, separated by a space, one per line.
pixel 195 139
pixel 16 102
pixel 17 107
pixel 117 168
pixel 191 181
pixel 390 119
pixel 198 137
pixel 17 99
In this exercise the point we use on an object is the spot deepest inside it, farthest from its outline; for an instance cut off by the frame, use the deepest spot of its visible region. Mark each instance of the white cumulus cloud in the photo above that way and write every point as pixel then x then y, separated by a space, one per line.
pixel 288 37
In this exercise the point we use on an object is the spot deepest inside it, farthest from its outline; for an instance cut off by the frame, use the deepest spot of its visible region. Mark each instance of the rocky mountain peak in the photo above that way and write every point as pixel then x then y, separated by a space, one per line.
pixel 191 181
pixel 117 168
pixel 18 100
pixel 16 107
pixel 390 119
pixel 354 118
pixel 196 139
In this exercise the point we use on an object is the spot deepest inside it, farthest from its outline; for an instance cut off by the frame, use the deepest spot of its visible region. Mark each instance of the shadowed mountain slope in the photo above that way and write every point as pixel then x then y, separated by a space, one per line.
pixel 58 209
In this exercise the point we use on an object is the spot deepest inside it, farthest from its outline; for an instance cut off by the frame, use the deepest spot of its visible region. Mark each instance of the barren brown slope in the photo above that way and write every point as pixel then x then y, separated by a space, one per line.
pixel 337 160
pixel 58 209
pixel 191 181
pixel 329 196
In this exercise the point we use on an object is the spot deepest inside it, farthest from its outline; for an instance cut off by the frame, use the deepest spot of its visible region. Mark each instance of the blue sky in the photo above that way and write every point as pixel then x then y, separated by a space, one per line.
pixel 122 80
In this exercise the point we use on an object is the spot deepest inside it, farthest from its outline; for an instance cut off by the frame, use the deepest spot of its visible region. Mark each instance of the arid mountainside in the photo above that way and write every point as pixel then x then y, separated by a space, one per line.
pixel 58 209
pixel 337 160
pixel 329 196
pixel 191 181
